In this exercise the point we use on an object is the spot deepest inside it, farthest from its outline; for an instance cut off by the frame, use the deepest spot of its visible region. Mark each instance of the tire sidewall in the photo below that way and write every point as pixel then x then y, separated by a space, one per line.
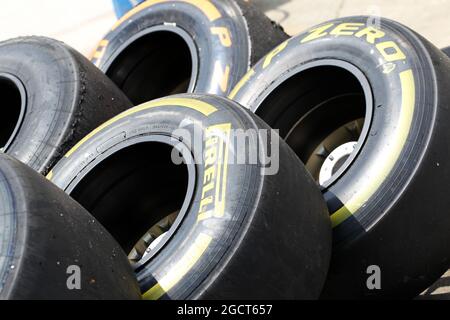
pixel 388 95
pixel 220 63
pixel 214 233
pixel 59 100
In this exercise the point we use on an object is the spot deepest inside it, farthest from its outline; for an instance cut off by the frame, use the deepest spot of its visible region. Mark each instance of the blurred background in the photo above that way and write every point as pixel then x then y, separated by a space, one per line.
pixel 82 23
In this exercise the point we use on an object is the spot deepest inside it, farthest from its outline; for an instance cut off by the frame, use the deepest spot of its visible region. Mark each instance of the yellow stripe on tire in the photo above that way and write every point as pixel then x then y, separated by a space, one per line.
pixel 378 176
pixel 179 269
pixel 197 105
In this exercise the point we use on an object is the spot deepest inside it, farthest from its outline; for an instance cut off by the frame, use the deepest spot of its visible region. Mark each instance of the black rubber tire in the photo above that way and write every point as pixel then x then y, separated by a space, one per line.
pixel 443 281
pixel 401 168
pixel 54 96
pixel 262 227
pixel 167 47
pixel 43 232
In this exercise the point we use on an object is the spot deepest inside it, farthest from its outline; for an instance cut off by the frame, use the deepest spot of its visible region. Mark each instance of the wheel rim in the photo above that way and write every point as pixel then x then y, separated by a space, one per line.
pixel 152 238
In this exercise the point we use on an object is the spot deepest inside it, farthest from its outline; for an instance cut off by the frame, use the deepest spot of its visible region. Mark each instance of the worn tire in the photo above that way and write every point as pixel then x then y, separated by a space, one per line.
pixel 237 223
pixel 43 232
pixel 398 83
pixel 166 47
pixel 54 97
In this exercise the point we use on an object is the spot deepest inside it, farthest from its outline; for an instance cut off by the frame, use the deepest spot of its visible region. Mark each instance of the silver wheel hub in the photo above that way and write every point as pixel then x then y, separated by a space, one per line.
pixel 335 160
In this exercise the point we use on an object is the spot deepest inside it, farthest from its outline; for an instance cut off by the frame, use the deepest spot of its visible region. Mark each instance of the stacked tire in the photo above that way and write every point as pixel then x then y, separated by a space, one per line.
pixel 227 160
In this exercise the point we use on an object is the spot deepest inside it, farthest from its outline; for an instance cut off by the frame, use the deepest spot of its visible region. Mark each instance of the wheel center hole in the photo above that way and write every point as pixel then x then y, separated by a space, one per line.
pixel 136 194
pixel 11 111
